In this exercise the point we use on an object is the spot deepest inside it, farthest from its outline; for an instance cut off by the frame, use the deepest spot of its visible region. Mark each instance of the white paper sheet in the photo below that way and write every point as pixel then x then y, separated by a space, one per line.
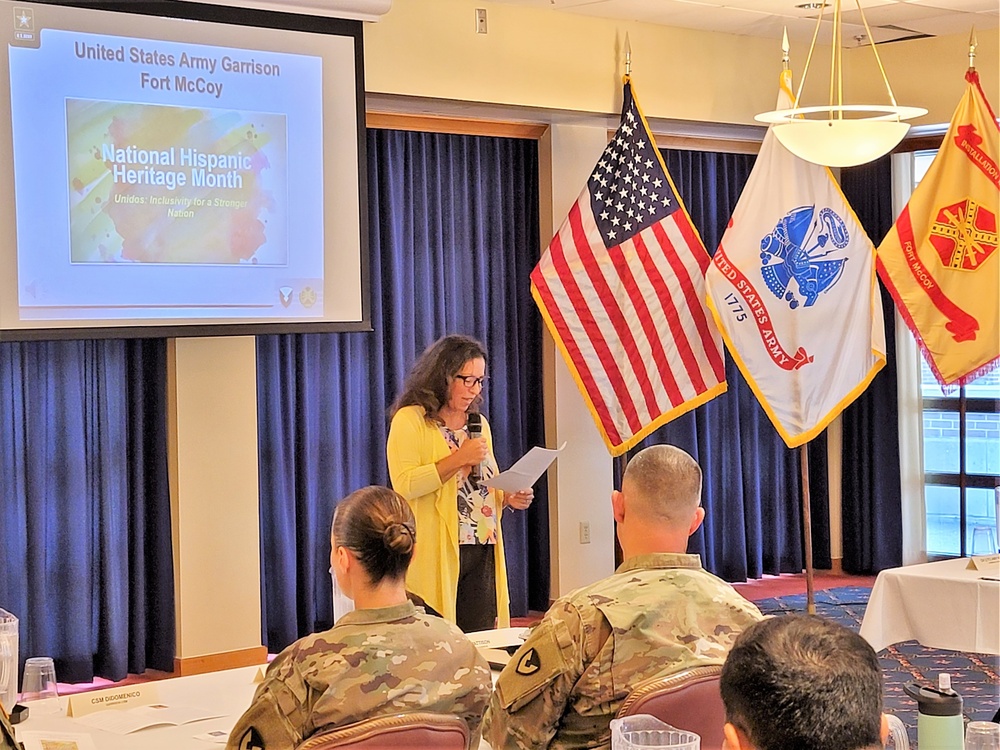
pixel 499 637
pixel 41 740
pixel 216 736
pixel 133 719
pixel 525 471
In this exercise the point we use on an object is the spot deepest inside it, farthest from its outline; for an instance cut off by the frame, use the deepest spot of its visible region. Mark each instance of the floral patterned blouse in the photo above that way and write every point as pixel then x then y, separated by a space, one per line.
pixel 477 521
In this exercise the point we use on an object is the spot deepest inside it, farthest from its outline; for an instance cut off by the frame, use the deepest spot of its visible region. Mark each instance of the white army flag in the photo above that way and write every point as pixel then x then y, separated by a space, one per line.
pixel 792 288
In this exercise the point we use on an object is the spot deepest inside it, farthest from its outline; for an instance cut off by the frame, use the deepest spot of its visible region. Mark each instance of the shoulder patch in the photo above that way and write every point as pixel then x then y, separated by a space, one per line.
pixel 538 662
pixel 529 663
pixel 251 740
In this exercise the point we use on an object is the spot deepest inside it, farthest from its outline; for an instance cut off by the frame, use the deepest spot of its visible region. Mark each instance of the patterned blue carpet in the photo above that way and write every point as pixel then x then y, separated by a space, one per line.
pixel 976 677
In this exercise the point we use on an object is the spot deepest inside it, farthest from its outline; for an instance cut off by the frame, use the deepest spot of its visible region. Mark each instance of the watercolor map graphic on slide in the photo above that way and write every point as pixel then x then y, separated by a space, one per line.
pixel 176 185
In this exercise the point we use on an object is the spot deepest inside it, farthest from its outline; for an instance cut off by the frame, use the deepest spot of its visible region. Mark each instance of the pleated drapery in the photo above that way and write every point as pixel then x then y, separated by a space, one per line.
pixel 872 493
pixel 85 506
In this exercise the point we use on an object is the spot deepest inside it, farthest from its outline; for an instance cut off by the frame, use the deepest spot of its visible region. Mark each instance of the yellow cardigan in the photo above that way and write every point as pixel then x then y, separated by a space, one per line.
pixel 414 447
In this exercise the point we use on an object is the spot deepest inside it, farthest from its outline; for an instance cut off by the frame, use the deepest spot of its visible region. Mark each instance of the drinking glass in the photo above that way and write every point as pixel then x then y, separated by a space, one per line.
pixel 982 735
pixel 897 733
pixel 39 684
pixel 645 732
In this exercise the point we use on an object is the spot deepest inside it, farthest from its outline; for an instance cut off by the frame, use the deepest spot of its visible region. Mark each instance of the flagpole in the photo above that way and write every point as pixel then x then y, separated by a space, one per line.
pixel 803 449
pixel 807 529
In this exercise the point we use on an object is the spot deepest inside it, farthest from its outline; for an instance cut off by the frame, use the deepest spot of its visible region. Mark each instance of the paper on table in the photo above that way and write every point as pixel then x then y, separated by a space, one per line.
pixel 525 471
pixel 498 637
pixel 40 740
pixel 216 735
pixel 133 719
pixel 497 658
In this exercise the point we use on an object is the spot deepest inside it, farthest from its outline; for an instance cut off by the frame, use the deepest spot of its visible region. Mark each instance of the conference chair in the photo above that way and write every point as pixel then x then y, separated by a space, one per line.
pixel 416 731
pixel 689 699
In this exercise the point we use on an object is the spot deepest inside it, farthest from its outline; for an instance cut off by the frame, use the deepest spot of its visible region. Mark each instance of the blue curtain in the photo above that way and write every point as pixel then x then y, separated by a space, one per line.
pixel 85 506
pixel 872 495
pixel 453 224
pixel 752 487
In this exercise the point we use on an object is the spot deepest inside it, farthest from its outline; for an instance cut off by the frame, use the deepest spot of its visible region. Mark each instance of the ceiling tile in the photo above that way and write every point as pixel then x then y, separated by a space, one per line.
pixel 889 19
pixel 954 23
pixel 961 6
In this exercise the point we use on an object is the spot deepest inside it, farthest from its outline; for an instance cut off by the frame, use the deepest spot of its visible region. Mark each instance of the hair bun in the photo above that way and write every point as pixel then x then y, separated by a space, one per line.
pixel 398 537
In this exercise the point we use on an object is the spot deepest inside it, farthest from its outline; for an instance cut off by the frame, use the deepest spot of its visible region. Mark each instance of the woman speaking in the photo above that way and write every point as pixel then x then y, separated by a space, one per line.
pixel 438 457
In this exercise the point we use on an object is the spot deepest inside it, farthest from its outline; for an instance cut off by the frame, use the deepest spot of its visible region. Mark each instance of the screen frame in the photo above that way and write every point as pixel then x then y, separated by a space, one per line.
pixel 236 16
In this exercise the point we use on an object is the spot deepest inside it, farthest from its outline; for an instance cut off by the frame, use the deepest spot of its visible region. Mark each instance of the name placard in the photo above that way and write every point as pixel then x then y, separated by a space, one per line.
pixel 984 562
pixel 131 696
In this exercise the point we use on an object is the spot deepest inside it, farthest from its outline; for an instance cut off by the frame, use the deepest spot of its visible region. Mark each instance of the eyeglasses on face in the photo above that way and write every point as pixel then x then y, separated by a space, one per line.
pixel 471 381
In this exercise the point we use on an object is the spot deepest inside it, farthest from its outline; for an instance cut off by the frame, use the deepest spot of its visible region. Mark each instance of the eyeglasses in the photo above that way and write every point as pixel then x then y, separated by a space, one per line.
pixel 471 381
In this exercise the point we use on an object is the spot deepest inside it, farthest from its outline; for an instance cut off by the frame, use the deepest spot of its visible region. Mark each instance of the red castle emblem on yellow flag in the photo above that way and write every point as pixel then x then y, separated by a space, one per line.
pixel 964 235
pixel 945 234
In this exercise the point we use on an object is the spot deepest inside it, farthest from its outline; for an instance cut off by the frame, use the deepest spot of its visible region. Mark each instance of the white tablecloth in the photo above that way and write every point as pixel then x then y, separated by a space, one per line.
pixel 228 692
pixel 938 604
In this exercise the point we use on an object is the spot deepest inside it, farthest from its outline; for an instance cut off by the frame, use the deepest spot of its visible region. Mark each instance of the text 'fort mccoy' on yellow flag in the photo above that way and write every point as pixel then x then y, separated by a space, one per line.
pixel 940 260
pixel 792 288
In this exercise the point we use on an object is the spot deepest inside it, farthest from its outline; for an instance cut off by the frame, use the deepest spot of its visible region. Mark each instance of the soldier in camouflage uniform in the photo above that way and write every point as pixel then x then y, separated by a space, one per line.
pixel 384 658
pixel 7 741
pixel 659 613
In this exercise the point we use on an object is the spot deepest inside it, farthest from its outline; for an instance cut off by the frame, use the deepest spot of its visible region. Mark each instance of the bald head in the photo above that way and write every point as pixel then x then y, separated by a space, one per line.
pixel 663 485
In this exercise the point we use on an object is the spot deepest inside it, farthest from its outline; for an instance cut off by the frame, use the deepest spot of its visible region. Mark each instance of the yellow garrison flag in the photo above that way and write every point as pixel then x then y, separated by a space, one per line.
pixel 940 259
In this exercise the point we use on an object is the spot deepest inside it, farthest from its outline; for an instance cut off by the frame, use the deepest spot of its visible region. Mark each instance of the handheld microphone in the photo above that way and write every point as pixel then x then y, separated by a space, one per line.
pixel 475 425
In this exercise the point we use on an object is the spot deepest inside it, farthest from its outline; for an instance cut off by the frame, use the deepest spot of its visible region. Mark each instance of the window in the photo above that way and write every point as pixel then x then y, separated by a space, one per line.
pixel 961 465
pixel 961 454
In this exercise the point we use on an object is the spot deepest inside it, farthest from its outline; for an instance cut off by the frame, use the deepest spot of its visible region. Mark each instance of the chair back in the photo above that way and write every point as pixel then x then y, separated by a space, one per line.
pixel 689 699
pixel 415 731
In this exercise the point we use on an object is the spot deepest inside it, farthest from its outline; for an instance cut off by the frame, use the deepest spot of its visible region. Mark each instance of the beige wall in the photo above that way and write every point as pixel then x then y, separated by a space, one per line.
pixel 212 397
pixel 541 58
pixel 930 72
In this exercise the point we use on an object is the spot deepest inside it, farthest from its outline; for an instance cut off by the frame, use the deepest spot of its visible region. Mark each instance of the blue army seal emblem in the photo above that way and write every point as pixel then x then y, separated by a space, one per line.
pixel 797 249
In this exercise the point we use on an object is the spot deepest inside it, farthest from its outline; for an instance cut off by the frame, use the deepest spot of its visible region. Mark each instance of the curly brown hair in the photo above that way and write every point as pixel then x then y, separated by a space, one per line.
pixel 431 375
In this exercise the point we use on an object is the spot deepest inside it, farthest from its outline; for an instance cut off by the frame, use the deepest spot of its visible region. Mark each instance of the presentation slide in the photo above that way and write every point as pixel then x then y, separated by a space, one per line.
pixel 160 179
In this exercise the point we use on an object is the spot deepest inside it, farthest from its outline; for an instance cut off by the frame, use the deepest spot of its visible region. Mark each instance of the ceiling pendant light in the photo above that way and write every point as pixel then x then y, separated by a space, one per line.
pixel 838 134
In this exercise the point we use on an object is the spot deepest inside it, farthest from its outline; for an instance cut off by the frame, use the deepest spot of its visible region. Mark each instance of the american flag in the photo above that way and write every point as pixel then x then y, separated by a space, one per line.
pixel 622 290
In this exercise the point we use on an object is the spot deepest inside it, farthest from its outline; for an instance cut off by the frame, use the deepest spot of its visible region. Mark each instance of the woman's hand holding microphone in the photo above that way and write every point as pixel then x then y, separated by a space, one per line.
pixel 472 451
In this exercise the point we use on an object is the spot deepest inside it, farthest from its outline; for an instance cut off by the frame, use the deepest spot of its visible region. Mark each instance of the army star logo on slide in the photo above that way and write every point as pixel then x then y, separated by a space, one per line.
pixel 529 663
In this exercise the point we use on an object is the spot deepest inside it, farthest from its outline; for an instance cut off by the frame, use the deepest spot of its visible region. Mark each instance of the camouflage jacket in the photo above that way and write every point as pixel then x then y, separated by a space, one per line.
pixel 7 741
pixel 656 615
pixel 373 662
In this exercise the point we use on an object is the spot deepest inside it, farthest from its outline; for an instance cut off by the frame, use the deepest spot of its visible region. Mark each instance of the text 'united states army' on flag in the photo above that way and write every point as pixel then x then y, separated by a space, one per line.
pixel 792 286
pixel 622 289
